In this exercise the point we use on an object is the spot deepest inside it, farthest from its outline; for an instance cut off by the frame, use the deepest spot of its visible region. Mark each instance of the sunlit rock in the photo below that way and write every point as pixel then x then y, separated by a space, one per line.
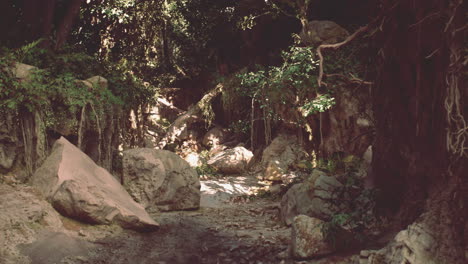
pixel 78 188
pixel 160 179
pixel 282 153
pixel 231 161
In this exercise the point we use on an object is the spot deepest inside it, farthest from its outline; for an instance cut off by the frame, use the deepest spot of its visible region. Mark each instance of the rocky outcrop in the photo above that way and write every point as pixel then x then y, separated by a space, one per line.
pixel 160 179
pixel 307 240
pixel 416 244
pixel 313 197
pixel 231 161
pixel 283 152
pixel 322 32
pixel 24 213
pixel 78 188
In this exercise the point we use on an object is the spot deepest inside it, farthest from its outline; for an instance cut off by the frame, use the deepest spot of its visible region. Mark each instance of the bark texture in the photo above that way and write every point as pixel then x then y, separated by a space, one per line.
pixel 420 153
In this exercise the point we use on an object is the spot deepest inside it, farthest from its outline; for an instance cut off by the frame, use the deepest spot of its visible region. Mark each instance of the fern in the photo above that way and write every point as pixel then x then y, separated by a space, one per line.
pixel 27 50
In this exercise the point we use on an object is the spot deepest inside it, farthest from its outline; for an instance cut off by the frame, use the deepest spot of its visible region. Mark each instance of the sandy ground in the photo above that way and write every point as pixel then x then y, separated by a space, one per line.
pixel 228 228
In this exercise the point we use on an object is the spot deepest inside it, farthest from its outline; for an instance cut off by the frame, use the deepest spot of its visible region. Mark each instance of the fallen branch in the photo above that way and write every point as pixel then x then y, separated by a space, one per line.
pixel 192 115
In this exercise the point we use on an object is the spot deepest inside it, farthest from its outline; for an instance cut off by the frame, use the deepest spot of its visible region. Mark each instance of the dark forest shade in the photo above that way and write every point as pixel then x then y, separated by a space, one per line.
pixel 412 164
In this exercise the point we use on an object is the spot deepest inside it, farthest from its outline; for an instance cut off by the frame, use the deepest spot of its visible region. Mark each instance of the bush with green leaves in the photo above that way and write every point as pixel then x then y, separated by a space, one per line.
pixel 357 218
pixel 295 78
pixel 53 89
pixel 204 170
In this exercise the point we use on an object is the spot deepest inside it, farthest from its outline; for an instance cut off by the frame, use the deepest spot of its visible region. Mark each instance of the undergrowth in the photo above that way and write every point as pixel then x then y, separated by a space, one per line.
pixel 52 87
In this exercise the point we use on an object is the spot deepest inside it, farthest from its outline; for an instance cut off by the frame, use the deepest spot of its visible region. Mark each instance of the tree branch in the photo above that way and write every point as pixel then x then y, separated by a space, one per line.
pixel 335 46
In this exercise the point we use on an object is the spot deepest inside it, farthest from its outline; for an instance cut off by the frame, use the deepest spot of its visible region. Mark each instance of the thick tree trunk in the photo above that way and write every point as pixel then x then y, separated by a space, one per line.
pixel 66 24
pixel 417 113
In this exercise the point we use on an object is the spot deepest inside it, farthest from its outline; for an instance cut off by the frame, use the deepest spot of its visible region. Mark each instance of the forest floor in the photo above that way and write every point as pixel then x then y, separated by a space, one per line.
pixel 232 226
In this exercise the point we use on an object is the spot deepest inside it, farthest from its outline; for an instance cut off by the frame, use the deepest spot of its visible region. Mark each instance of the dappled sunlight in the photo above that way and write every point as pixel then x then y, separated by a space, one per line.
pixel 218 192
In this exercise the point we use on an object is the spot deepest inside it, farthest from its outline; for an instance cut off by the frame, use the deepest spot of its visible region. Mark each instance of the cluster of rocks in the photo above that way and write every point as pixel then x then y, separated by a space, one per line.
pixel 80 189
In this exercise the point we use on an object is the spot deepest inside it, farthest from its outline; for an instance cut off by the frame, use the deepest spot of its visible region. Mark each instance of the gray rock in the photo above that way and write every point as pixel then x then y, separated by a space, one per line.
pixel 283 152
pixel 24 214
pixel 215 136
pixel 160 179
pixel 80 189
pixel 307 240
pixel 231 161
pixel 96 82
pixel 322 32
pixel 311 198
pixel 23 71
pixel 55 247
pixel 414 245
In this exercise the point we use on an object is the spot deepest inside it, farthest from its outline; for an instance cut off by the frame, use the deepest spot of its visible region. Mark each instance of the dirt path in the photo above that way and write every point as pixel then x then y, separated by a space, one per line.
pixel 228 228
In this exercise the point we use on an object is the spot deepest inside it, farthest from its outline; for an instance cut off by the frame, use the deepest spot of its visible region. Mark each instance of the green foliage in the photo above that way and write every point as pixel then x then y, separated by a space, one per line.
pixel 53 88
pixel 319 104
pixel 292 83
pixel 28 50
pixel 204 170
pixel 357 216
pixel 240 127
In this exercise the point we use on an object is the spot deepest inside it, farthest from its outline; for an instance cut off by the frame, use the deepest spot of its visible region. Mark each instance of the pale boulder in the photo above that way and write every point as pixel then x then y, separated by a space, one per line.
pixel 78 188
pixel 23 71
pixel 160 179
pixel 283 152
pixel 231 161
pixel 416 244
pixel 307 240
pixel 313 197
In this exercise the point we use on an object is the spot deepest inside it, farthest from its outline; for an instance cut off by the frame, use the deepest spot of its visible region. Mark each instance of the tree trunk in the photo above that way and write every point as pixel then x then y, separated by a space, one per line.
pixel 417 113
pixel 65 26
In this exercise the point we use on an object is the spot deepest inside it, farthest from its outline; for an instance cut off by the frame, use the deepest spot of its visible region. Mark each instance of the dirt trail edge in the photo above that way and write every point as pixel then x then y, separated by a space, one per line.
pixel 228 228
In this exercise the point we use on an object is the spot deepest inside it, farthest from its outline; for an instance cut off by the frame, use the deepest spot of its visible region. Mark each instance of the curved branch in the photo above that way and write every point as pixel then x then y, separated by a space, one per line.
pixel 351 80
pixel 335 46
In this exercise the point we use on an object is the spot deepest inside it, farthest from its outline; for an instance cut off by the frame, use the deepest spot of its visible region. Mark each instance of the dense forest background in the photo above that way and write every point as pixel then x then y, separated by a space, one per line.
pixel 403 62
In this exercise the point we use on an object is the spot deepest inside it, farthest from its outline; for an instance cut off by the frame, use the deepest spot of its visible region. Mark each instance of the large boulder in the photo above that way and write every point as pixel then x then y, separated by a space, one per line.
pixel 318 32
pixel 78 188
pixel 307 240
pixel 160 179
pixel 283 152
pixel 314 197
pixel 231 161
